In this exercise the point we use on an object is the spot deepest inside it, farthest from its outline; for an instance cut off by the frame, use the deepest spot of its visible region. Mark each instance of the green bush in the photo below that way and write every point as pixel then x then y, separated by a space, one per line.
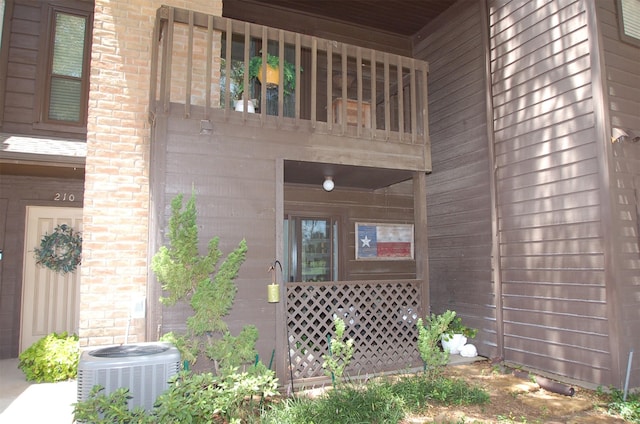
pixel 100 408
pixel 52 358
pixel 429 334
pixel 191 398
pixel 628 409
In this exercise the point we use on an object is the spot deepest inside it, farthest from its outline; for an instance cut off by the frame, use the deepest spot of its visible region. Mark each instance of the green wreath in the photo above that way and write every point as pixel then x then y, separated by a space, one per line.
pixel 60 251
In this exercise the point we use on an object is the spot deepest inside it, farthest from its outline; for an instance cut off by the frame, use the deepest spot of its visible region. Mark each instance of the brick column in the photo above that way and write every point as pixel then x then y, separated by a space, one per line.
pixel 116 199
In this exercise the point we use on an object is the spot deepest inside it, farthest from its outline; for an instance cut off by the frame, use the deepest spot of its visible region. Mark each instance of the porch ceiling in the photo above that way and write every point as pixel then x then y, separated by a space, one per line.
pixel 401 17
pixel 344 176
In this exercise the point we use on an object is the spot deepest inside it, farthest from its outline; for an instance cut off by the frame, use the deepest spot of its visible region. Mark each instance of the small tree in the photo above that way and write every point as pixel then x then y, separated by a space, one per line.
pixel 187 276
pixel 340 353
pixel 429 334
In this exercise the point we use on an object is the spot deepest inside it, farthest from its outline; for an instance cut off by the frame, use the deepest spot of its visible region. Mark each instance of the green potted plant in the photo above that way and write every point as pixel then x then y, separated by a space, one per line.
pixel 456 335
pixel 273 72
pixel 236 86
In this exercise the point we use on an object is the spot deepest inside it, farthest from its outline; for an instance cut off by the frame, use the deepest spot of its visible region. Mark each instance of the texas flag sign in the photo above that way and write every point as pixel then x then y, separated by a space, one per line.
pixel 384 241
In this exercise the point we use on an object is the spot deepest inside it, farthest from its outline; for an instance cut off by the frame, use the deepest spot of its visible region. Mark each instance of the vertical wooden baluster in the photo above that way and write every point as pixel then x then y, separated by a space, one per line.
pixel 187 100
pixel 425 104
pixel 414 126
pixel 330 118
pixel 228 101
pixel 263 88
pixel 345 94
pixel 298 82
pixel 281 71
pixel 165 89
pixel 400 90
pixel 387 101
pixel 360 121
pixel 207 110
pixel 245 81
pixel 155 47
pixel 314 81
pixel 374 95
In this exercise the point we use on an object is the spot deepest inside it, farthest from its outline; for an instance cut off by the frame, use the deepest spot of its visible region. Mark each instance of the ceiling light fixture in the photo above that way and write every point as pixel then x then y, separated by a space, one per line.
pixel 328 184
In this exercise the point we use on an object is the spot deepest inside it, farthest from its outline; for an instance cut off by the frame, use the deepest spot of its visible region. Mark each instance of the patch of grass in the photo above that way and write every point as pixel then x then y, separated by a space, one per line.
pixel 373 404
pixel 384 401
pixel 418 390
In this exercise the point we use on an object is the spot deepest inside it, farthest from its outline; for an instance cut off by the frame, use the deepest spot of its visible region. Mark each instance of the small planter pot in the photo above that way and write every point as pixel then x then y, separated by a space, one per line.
pixel 239 106
pixel 453 343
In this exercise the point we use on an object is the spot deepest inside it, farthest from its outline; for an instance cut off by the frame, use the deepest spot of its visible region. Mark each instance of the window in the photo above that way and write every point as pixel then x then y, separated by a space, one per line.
pixel 312 246
pixel 65 84
pixel 629 21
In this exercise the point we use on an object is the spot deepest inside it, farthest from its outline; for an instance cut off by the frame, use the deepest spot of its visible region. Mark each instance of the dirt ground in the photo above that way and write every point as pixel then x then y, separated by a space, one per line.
pixel 517 400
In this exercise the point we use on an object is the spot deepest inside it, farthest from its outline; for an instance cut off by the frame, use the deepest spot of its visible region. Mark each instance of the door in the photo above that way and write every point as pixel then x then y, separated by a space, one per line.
pixel 313 249
pixel 50 300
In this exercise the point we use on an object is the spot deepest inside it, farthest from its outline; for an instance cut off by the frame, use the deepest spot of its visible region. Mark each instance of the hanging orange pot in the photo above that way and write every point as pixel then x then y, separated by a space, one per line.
pixel 273 75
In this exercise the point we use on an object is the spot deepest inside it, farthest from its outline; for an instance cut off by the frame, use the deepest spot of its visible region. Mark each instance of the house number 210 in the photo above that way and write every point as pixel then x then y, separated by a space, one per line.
pixel 64 197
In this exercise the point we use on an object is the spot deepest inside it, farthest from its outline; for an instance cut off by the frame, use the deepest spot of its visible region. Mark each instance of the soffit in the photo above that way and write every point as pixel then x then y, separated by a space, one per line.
pixel 401 17
pixel 344 176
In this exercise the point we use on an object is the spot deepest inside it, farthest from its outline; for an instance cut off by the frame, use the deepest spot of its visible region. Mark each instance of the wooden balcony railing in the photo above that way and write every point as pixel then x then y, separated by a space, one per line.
pixel 338 88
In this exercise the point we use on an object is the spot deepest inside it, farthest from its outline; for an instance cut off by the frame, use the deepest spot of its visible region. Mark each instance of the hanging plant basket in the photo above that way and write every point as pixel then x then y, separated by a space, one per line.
pixel 60 251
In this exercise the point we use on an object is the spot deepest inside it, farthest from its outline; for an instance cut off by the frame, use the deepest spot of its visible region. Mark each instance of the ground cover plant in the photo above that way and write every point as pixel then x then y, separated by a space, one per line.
pixel 628 408
pixel 52 358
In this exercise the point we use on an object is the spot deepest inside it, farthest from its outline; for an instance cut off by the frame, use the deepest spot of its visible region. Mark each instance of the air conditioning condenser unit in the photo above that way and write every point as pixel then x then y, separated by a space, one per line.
pixel 143 368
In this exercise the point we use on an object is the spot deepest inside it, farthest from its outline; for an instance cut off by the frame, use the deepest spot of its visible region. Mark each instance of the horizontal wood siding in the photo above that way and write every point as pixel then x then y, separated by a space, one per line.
pixel 16 193
pixel 234 175
pixel 458 189
pixel 234 186
pixel 20 85
pixel 622 71
pixel 551 246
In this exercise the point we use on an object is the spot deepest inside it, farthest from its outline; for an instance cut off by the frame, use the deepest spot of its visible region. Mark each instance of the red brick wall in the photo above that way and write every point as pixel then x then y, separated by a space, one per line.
pixel 116 208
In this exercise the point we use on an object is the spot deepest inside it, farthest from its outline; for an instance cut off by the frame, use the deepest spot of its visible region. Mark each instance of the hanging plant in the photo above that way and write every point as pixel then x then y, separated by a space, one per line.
pixel 61 250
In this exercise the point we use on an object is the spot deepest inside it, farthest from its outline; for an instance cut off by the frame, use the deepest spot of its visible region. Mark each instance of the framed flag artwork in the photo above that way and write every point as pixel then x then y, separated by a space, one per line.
pixel 384 241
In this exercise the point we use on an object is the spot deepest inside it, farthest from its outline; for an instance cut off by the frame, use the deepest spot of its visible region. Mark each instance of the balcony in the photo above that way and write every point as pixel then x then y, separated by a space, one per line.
pixel 362 99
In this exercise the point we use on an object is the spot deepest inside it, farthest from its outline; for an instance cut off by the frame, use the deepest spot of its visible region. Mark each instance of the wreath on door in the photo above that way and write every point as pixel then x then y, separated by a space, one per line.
pixel 60 251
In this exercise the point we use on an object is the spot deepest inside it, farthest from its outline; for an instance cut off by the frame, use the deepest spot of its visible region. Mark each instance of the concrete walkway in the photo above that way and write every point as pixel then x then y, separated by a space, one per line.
pixel 22 402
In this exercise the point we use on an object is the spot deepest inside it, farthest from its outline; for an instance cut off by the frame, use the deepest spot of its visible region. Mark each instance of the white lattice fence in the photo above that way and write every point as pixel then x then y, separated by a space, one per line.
pixel 380 317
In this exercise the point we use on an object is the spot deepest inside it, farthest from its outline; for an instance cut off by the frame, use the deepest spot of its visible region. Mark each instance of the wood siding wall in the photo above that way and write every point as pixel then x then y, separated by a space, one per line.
pixel 458 189
pixel 16 193
pixel 549 190
pixel 622 76
pixel 235 175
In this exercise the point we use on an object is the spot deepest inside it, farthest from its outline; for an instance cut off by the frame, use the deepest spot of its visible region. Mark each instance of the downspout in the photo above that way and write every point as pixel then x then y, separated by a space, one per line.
pixel 495 234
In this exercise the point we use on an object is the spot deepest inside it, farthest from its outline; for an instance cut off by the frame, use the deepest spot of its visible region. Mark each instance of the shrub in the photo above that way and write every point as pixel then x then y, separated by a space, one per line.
pixel 209 289
pixel 191 398
pixel 340 353
pixel 429 334
pixel 102 408
pixel 628 409
pixel 53 358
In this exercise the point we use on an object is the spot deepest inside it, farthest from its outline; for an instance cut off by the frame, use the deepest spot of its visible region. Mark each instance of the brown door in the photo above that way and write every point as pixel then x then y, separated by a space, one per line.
pixel 50 300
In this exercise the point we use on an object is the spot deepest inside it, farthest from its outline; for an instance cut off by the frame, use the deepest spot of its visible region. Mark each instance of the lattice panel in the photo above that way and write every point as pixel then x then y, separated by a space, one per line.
pixel 380 317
